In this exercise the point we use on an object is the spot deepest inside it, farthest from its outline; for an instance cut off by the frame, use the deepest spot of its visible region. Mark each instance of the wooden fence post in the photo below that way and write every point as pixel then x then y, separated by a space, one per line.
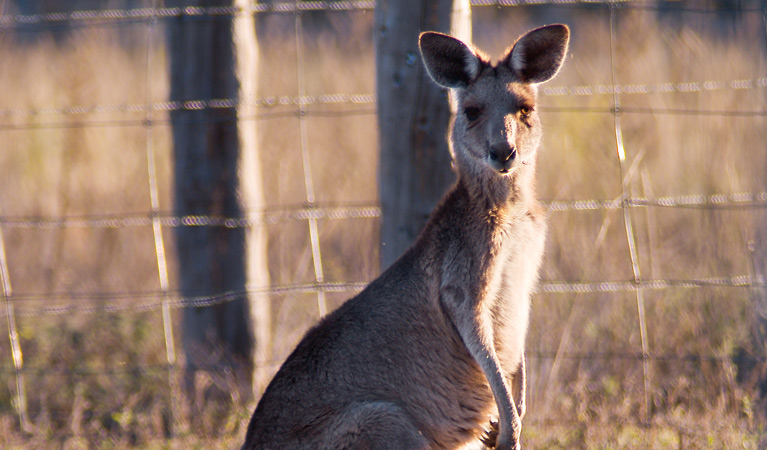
pixel 217 173
pixel 415 164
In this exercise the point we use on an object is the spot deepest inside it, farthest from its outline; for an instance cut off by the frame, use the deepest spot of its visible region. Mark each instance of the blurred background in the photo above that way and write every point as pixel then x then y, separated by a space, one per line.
pixel 187 186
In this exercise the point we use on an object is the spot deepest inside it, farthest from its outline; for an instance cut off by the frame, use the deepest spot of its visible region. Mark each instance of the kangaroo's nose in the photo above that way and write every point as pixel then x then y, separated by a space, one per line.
pixel 502 152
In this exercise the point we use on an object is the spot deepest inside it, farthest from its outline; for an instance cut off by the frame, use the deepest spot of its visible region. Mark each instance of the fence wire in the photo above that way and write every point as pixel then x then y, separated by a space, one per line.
pixel 161 369
pixel 738 200
pixel 152 114
pixel 132 15
pixel 304 101
pixel 140 302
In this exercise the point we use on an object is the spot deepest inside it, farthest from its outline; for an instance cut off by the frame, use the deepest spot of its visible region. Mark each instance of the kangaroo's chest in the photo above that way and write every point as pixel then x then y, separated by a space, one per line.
pixel 515 274
pixel 516 258
pixel 520 256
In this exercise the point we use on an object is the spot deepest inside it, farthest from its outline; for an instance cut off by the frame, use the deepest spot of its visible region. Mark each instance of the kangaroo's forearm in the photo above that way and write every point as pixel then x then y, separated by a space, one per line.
pixel 478 340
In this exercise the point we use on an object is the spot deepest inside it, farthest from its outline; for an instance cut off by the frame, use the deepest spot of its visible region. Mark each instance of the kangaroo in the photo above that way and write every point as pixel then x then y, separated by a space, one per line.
pixel 433 348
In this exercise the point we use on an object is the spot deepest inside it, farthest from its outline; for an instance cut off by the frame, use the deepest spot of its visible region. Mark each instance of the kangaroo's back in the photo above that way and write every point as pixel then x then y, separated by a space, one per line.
pixel 433 349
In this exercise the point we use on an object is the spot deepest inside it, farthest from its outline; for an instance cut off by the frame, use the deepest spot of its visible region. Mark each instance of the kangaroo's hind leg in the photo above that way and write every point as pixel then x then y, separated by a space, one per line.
pixel 375 426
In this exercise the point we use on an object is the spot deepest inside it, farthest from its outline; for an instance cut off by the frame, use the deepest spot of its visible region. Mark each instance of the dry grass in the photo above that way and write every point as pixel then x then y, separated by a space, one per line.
pixel 83 391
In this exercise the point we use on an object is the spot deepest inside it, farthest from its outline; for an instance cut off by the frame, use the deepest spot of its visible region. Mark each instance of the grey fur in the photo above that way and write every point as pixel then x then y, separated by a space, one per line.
pixel 434 347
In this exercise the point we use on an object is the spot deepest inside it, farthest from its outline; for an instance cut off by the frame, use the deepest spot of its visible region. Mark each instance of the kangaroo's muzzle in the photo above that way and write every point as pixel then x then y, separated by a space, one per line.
pixel 502 155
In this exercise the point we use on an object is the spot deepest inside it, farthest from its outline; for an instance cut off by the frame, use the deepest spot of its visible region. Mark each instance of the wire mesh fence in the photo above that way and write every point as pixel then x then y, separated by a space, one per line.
pixel 653 175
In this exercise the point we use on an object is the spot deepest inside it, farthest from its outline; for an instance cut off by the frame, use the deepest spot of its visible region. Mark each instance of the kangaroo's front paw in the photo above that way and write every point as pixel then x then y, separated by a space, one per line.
pixel 490 436
pixel 514 445
pixel 490 439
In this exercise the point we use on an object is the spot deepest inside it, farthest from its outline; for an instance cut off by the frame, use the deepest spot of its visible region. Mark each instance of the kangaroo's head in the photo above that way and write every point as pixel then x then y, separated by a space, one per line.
pixel 496 130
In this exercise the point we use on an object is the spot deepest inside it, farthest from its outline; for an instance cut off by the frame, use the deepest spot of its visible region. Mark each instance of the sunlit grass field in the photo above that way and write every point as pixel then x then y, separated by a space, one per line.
pixel 97 378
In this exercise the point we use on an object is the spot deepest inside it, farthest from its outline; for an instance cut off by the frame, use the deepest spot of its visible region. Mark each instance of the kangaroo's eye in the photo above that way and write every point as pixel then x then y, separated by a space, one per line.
pixel 472 113
pixel 525 111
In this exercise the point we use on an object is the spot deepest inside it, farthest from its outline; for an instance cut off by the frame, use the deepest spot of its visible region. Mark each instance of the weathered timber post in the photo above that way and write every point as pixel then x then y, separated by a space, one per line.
pixel 217 173
pixel 415 167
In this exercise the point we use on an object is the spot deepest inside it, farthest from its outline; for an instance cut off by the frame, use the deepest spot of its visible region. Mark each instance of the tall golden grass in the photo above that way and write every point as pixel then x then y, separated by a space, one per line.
pixel 586 383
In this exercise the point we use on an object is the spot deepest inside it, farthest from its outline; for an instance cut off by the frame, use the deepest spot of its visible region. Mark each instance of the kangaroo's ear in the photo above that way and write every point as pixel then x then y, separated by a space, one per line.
pixel 537 56
pixel 449 62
